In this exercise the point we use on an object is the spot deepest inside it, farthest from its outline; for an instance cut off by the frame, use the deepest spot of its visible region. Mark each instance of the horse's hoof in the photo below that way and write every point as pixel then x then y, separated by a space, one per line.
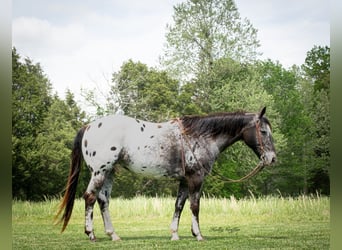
pixel 175 236
pixel 115 237
pixel 199 238
pixel 198 235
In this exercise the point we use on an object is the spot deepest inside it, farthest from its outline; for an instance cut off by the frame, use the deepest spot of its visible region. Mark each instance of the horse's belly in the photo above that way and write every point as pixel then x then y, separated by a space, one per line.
pixel 155 171
pixel 149 161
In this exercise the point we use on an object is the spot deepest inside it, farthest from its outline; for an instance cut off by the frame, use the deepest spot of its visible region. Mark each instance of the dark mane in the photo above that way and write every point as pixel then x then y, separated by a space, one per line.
pixel 216 123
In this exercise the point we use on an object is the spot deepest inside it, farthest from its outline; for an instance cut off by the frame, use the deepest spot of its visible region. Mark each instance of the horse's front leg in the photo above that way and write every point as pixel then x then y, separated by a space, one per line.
pixel 195 187
pixel 183 192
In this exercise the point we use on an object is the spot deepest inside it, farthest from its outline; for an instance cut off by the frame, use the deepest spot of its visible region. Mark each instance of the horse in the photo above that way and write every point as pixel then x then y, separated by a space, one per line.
pixel 184 149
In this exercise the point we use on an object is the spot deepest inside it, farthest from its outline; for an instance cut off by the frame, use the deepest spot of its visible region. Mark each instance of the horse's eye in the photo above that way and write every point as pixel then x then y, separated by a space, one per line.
pixel 264 132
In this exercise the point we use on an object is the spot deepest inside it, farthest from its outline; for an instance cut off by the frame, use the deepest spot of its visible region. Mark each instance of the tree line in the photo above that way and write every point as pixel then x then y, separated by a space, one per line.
pixel 210 64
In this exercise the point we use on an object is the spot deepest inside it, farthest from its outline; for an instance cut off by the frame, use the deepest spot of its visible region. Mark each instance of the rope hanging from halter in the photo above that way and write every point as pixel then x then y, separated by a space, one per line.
pixel 254 171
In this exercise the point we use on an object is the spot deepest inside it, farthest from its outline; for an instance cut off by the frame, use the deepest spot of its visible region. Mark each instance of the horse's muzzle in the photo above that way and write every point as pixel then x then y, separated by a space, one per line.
pixel 269 158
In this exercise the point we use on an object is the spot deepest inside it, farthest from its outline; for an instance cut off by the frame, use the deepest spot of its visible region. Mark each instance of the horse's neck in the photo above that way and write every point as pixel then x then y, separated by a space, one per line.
pixel 225 140
pixel 218 132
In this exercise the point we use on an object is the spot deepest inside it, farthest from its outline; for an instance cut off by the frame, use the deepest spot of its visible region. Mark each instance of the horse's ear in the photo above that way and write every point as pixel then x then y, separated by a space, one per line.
pixel 262 112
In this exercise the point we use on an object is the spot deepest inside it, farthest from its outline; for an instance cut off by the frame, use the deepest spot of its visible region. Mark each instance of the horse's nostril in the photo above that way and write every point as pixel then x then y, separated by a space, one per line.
pixel 274 159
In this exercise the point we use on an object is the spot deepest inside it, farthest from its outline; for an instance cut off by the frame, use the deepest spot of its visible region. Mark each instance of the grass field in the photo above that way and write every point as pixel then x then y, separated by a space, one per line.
pixel 143 223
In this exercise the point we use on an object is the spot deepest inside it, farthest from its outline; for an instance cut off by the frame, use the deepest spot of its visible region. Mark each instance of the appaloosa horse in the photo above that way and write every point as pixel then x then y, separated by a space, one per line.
pixel 184 149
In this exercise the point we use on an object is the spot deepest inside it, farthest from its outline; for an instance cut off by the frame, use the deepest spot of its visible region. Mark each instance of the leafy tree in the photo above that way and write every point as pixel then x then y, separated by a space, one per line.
pixel 54 144
pixel 190 99
pixel 284 86
pixel 43 130
pixel 317 73
pixel 317 67
pixel 31 96
pixel 144 92
pixel 30 103
pixel 74 115
pixel 52 152
pixel 204 31
pixel 294 95
pixel 316 157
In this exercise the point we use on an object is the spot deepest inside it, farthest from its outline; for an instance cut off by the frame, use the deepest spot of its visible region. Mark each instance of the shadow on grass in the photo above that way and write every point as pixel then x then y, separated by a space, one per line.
pixel 144 238
pixel 185 238
pixel 214 234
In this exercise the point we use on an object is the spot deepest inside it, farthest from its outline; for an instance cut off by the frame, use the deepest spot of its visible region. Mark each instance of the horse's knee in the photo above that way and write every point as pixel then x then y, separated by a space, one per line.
pixel 89 198
pixel 194 206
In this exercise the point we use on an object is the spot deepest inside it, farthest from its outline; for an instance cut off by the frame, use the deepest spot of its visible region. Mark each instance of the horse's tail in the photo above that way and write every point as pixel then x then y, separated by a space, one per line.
pixel 70 191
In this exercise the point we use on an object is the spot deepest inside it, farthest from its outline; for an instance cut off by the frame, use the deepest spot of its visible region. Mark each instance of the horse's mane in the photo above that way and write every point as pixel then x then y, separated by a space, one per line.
pixel 216 123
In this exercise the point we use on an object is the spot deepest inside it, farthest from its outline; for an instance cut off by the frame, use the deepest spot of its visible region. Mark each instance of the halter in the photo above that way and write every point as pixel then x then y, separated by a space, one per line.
pixel 258 135
pixel 254 171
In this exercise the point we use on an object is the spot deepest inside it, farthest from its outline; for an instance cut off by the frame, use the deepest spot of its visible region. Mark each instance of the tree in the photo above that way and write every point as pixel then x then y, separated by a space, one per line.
pixel 204 31
pixel 30 103
pixel 284 86
pixel 54 144
pixel 190 99
pixel 31 96
pixel 145 93
pixel 295 95
pixel 317 153
pixel 317 67
pixel 43 130
pixel 317 73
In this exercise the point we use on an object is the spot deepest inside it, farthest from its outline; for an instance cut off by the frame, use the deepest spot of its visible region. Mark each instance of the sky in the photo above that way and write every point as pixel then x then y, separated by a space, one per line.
pixel 80 43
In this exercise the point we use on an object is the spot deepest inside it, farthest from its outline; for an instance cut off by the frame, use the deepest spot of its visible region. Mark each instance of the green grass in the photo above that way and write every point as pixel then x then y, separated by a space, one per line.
pixel 143 223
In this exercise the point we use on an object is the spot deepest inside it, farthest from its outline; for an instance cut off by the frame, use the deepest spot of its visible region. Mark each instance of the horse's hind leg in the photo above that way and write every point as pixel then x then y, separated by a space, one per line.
pixel 90 197
pixel 183 192
pixel 103 200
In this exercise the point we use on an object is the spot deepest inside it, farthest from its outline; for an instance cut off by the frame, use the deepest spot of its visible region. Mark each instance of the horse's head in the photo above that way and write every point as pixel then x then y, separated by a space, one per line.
pixel 258 136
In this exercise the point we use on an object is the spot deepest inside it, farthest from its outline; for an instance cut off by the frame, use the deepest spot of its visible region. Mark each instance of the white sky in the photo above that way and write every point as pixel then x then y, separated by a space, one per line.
pixel 80 43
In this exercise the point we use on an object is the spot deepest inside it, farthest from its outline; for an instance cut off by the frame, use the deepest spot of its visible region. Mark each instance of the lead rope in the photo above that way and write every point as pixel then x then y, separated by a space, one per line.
pixel 254 171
